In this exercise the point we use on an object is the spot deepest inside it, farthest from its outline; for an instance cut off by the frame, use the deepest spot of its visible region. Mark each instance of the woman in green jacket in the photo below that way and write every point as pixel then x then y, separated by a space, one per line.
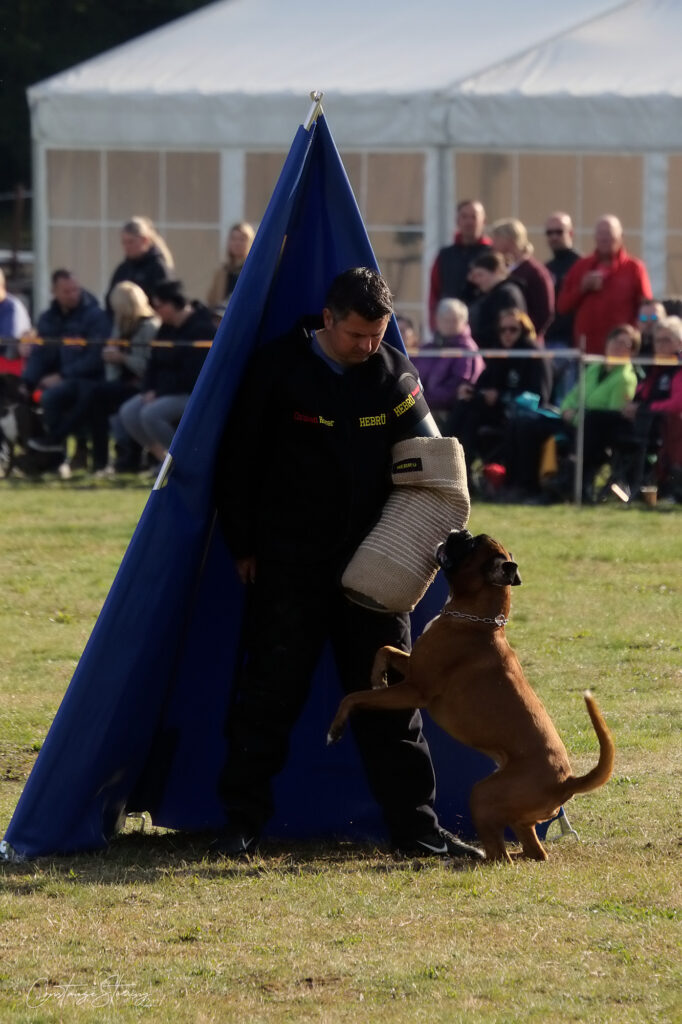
pixel 609 386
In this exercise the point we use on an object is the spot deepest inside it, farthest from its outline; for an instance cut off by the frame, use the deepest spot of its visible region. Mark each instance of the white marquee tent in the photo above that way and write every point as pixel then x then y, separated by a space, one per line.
pixel 531 105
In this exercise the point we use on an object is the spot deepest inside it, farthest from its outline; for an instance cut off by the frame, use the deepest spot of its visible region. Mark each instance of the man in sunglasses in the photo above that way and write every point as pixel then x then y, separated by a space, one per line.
pixel 559 334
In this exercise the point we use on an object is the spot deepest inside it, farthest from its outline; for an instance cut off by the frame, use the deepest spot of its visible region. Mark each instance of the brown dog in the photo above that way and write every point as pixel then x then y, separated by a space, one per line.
pixel 463 671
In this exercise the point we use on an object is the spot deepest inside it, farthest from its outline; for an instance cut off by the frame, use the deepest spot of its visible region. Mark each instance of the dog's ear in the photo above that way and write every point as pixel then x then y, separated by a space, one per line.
pixel 454 548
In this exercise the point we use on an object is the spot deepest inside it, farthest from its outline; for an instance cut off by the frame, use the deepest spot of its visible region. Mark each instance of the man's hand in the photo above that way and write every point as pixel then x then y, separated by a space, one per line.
pixel 593 281
pixel 246 569
pixel 149 396
pixel 50 380
pixel 490 396
pixel 112 354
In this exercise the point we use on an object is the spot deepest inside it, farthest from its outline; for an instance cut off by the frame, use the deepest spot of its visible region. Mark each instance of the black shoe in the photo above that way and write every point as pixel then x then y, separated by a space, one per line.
pixel 438 843
pixel 235 842
pixel 45 444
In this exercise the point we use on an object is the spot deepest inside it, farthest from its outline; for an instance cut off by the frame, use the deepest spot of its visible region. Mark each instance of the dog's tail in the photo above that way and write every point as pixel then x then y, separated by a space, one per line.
pixel 601 773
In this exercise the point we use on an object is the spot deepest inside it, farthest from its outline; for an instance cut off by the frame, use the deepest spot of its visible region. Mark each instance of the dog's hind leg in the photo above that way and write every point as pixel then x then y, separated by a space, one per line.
pixel 532 847
pixel 489 825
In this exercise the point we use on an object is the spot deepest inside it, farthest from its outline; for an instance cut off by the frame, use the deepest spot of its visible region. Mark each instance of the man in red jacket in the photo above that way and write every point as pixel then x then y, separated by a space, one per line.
pixel 605 288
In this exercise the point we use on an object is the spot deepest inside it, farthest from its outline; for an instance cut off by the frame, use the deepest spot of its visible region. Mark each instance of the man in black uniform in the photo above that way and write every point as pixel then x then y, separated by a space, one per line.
pixel 302 475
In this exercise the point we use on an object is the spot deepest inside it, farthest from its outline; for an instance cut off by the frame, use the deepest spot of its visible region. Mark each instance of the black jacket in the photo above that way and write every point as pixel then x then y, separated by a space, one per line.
pixel 485 312
pixel 174 370
pixel 512 376
pixel 304 466
pixel 561 327
pixel 146 271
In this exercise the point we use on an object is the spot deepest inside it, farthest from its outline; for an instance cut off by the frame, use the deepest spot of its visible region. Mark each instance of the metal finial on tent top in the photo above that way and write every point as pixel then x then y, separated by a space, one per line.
pixel 315 110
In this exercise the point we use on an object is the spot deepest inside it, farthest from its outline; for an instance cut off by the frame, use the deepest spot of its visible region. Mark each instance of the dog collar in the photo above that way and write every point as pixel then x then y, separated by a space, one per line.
pixel 499 620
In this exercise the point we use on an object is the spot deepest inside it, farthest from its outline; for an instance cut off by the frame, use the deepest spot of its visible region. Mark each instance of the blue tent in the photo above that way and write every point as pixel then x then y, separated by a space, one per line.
pixel 141 725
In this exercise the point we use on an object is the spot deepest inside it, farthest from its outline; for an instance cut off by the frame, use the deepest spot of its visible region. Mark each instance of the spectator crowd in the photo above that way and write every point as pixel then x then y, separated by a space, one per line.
pixel 515 404
pixel 107 383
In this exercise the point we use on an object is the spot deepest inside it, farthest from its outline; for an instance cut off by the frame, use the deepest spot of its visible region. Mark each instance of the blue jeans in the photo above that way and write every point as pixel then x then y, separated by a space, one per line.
pixel 153 422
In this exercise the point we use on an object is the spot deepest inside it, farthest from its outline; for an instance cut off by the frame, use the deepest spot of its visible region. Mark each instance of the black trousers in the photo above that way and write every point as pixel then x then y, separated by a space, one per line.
pixel 106 398
pixel 289 619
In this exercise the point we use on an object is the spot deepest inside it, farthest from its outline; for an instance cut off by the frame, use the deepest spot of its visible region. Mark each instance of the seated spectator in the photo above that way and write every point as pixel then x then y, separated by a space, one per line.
pixel 442 376
pixel 125 360
pixel 14 322
pixel 658 397
pixel 148 259
pixel 239 242
pixel 152 416
pixel 651 312
pixel 511 239
pixel 609 387
pixel 66 373
pixel 482 412
pixel 490 276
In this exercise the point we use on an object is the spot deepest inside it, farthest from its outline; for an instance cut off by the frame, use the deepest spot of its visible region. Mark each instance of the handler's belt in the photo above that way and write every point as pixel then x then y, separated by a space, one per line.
pixel 395 564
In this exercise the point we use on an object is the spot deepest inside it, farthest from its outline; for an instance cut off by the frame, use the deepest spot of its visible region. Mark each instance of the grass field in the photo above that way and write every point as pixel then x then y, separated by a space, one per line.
pixel 153 930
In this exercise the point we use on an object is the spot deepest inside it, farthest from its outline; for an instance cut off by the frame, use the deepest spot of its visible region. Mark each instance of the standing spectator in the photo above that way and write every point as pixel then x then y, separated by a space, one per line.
pixel 511 239
pixel 239 242
pixel 450 271
pixel 442 376
pixel 14 321
pixel 66 373
pixel 559 334
pixel 604 289
pixel 148 259
pixel 125 361
pixel 650 314
pixel 497 292
pixel 152 416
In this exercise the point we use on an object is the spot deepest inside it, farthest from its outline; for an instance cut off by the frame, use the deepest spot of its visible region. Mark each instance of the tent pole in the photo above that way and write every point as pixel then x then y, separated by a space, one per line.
pixel 315 110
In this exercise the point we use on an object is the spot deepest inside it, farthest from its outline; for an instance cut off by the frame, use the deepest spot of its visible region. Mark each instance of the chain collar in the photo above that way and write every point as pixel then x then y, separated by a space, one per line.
pixel 499 620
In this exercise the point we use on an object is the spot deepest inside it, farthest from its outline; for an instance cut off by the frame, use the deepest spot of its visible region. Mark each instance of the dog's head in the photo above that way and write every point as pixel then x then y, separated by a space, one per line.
pixel 481 556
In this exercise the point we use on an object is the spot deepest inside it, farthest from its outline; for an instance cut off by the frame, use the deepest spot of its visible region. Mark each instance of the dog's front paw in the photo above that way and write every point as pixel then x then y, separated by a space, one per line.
pixel 379 680
pixel 334 735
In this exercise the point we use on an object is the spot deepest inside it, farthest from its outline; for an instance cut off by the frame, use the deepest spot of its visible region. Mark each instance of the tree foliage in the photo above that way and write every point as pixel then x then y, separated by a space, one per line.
pixel 39 38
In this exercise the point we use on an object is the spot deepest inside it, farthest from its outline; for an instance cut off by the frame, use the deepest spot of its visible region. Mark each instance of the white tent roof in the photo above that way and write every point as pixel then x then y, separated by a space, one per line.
pixel 589 74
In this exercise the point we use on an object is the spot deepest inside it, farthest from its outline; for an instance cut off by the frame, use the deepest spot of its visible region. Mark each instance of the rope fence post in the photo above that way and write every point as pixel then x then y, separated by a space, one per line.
pixel 580 426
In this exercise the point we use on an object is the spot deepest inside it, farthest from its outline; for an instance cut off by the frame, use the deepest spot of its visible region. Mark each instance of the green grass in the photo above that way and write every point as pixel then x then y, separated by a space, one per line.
pixel 154 930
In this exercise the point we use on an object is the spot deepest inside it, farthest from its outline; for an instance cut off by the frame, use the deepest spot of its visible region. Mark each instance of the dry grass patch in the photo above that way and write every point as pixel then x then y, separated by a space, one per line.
pixel 155 930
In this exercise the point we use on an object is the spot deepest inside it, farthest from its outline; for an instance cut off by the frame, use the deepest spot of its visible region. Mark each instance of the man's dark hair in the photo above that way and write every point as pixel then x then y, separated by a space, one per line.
pixel 492 261
pixel 171 292
pixel 359 290
pixel 60 275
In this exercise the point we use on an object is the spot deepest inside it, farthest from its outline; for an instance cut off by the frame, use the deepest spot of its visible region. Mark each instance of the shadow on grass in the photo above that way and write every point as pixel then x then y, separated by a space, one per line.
pixel 146 858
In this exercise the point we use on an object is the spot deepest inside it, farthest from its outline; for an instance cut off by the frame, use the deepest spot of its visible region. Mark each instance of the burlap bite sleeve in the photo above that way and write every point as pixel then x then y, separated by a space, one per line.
pixel 395 564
